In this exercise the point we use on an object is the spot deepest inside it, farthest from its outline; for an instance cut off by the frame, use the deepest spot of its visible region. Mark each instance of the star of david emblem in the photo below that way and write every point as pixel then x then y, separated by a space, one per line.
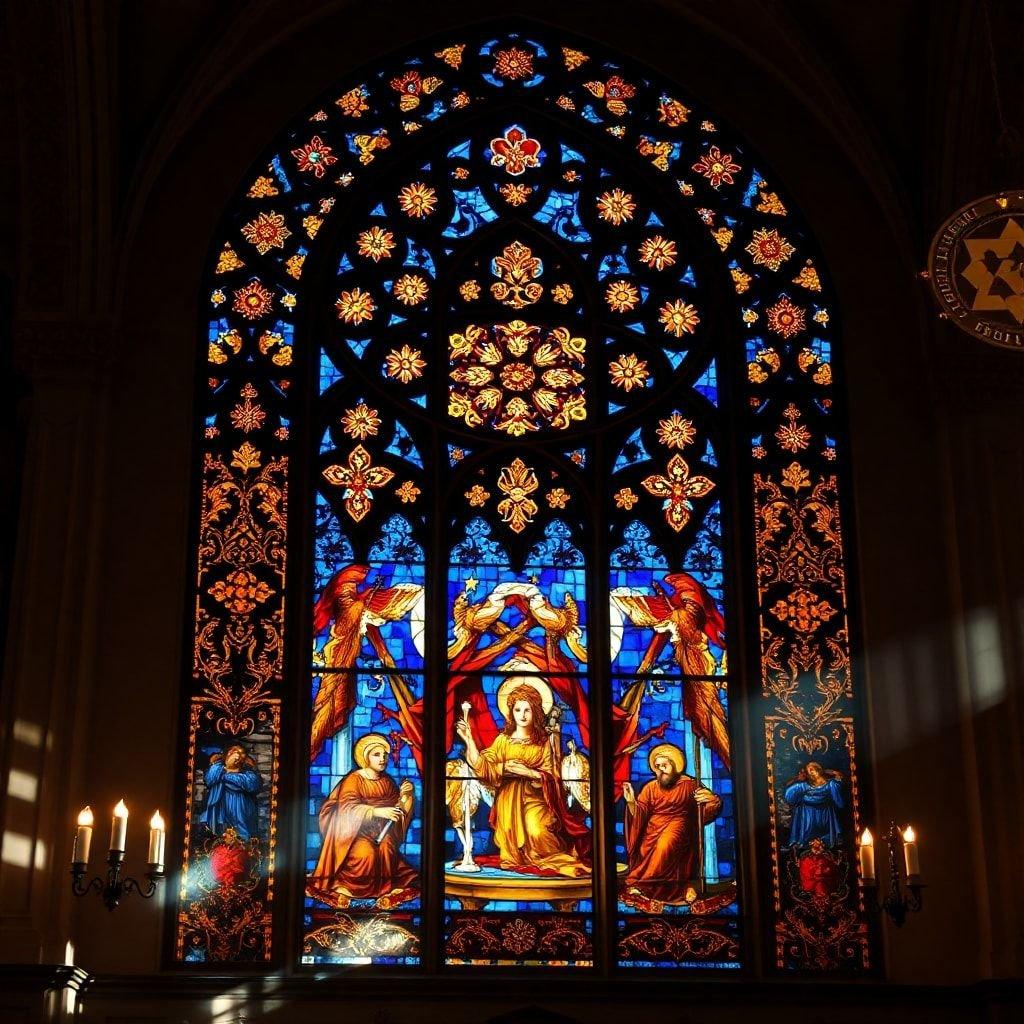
pixel 996 270
pixel 976 269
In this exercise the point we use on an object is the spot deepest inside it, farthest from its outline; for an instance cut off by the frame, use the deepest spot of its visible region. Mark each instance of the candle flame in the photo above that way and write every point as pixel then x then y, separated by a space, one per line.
pixel 85 816
pixel 866 838
pixel 157 822
pixel 909 836
pixel 120 811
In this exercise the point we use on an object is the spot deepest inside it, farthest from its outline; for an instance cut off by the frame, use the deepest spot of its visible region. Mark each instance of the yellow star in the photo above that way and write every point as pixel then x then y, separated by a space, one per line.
pixel 1009 271
pixel 471 584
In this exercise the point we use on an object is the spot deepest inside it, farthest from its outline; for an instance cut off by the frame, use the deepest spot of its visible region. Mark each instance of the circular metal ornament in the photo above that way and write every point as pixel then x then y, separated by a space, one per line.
pixel 976 269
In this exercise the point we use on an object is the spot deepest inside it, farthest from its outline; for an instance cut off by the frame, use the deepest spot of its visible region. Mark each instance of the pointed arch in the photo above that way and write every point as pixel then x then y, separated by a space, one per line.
pixel 481 259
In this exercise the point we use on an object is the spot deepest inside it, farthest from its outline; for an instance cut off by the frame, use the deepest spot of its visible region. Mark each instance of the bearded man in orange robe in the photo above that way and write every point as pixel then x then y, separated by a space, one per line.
pixel 662 829
pixel 363 823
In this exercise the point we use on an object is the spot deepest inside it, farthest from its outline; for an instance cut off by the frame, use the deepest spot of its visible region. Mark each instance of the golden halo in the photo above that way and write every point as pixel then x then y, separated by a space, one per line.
pixel 672 752
pixel 366 743
pixel 547 698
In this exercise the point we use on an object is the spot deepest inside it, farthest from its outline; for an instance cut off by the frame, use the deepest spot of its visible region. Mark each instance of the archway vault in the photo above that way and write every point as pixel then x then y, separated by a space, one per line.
pixel 737 349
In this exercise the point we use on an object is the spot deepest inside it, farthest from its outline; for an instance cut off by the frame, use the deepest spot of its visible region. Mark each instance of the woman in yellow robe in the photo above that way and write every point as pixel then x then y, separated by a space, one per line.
pixel 532 828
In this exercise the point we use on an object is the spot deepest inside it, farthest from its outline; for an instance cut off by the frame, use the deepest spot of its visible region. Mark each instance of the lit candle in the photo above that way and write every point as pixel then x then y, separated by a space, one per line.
pixel 83 837
pixel 157 837
pixel 867 856
pixel 910 854
pixel 119 828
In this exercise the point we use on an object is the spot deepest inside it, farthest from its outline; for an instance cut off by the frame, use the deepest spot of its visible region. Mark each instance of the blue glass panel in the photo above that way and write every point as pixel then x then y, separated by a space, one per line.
pixel 633 451
pixel 752 188
pixel 561 213
pixel 275 166
pixel 707 383
pixel 402 445
pixel 472 211
pixel 613 263
pixel 329 373
pixel 418 256
pixel 570 155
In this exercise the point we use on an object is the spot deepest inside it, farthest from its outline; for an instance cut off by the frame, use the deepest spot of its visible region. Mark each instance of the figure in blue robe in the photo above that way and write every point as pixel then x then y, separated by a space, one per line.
pixel 232 789
pixel 816 797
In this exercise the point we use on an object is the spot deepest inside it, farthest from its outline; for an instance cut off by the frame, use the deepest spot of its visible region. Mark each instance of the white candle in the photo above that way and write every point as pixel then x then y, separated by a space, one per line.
pixel 83 837
pixel 466 707
pixel 910 854
pixel 867 856
pixel 157 837
pixel 119 828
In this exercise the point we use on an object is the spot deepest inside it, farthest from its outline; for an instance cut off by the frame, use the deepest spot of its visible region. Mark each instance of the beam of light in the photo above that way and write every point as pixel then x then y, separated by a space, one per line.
pixel 28 733
pixel 985 658
pixel 17 849
pixel 22 785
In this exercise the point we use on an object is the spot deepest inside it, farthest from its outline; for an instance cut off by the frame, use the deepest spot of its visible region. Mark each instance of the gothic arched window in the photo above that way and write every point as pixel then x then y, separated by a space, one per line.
pixel 520 391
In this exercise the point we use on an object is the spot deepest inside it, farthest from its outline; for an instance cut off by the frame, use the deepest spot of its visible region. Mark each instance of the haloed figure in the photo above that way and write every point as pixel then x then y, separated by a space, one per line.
pixel 363 823
pixel 531 825
pixel 661 828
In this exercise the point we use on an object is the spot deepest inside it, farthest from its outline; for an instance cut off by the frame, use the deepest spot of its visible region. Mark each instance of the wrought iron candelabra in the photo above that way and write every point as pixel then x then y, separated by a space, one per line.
pixel 114 887
pixel 903 864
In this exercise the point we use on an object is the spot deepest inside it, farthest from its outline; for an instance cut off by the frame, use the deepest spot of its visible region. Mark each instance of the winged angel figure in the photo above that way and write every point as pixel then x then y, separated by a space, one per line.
pixel 354 612
pixel 688 617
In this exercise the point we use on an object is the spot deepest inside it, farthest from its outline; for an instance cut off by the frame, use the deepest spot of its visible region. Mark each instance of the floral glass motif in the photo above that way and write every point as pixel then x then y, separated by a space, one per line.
pixel 520 350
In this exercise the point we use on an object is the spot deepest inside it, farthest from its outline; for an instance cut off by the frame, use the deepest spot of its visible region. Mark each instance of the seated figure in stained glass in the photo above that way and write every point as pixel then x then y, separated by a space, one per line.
pixel 532 827
pixel 363 823
pixel 663 829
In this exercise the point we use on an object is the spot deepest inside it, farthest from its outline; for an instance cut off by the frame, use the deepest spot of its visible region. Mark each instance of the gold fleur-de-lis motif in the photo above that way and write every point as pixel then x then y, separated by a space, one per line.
pixel 518 269
pixel 358 478
pixel 518 482
pixel 677 487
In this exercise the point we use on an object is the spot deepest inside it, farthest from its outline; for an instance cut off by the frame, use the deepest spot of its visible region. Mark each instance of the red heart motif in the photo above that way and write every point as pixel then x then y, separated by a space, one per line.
pixel 229 864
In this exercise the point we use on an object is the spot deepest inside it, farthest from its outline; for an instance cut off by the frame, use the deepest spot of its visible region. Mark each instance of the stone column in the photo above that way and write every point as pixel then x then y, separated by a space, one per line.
pixel 47 690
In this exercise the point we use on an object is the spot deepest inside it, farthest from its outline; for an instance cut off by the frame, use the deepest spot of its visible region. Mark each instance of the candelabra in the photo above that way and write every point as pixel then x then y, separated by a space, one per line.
pixel 895 902
pixel 112 889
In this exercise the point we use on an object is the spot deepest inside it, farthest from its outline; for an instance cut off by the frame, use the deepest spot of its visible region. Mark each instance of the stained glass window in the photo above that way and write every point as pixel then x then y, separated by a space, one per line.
pixel 544 362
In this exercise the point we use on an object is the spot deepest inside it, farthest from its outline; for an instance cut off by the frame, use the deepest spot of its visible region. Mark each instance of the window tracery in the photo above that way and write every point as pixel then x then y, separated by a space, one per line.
pixel 499 293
